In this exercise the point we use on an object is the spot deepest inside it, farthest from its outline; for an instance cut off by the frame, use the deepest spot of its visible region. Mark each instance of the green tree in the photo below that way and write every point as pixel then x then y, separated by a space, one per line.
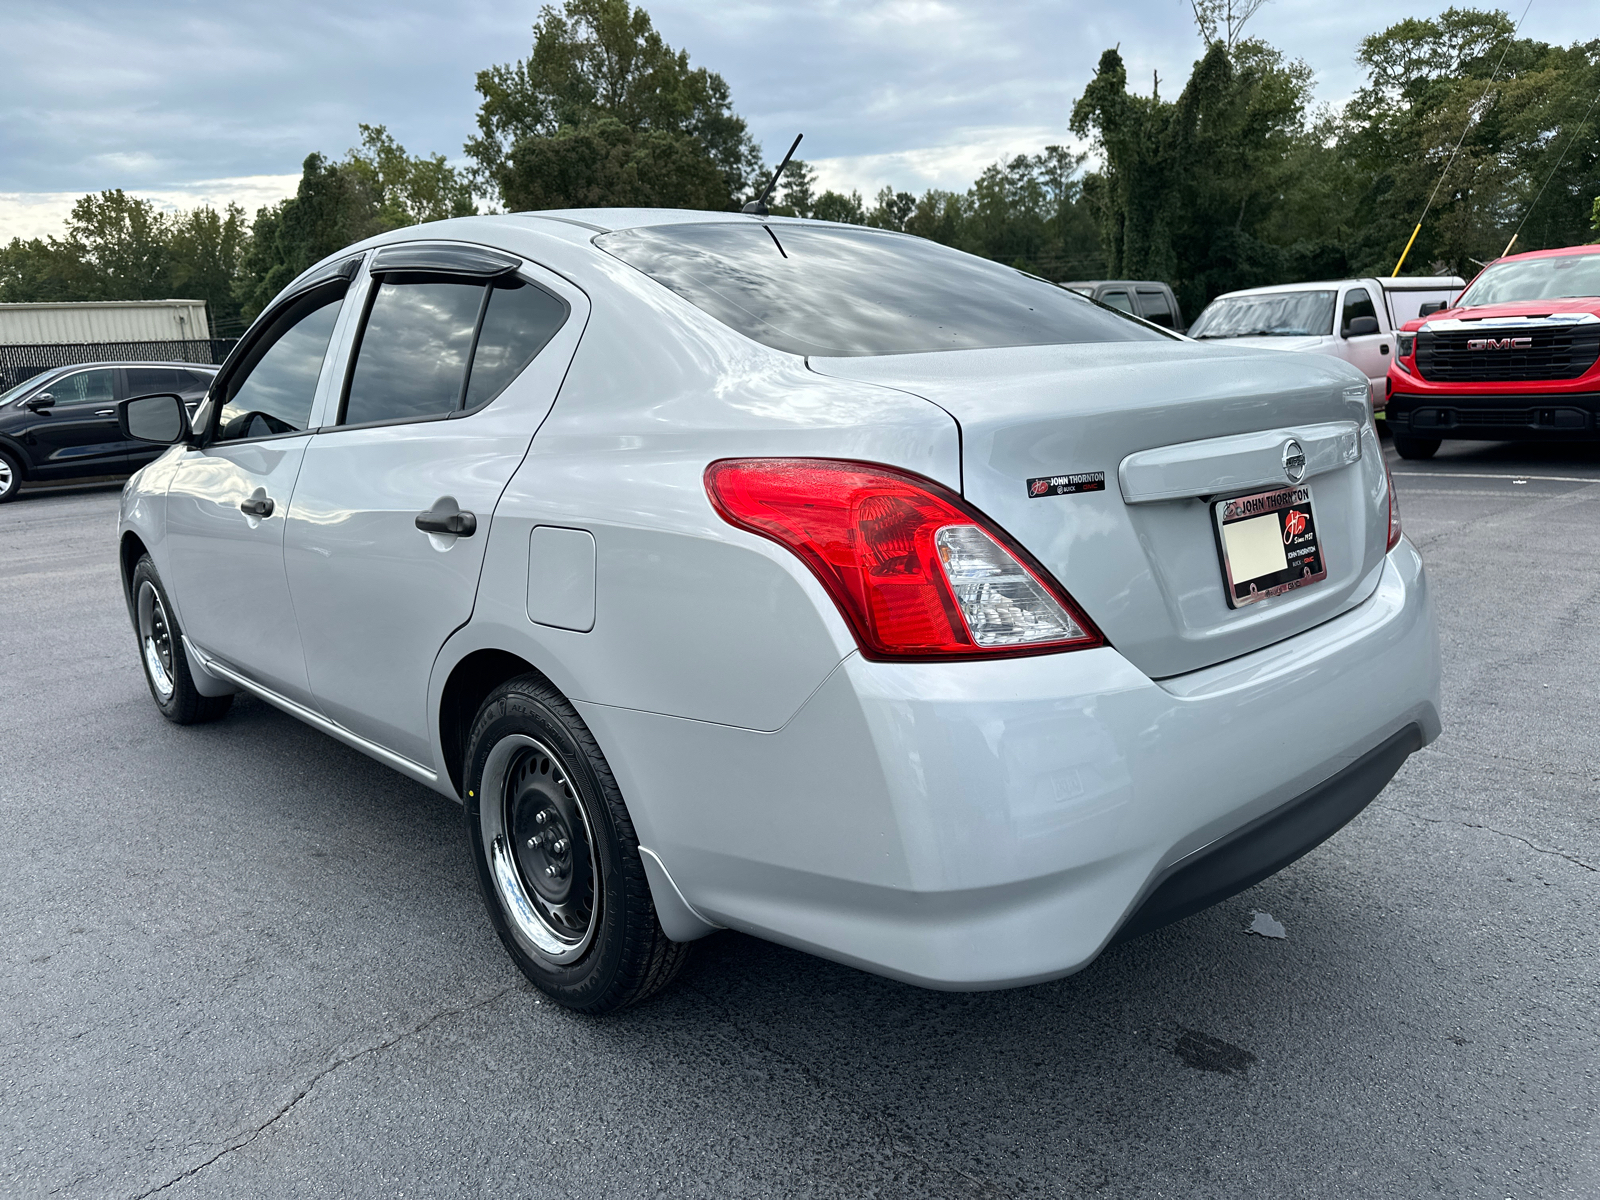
pixel 122 241
pixel 1490 127
pixel 204 248
pixel 411 189
pixel 372 190
pixel 604 112
pixel 1189 189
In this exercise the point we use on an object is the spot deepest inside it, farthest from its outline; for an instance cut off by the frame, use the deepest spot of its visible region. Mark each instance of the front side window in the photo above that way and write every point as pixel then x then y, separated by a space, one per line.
pixel 847 291
pixel 1155 307
pixel 433 346
pixel 1267 314
pixel 1118 301
pixel 1357 303
pixel 272 391
pixel 82 387
pixel 1556 278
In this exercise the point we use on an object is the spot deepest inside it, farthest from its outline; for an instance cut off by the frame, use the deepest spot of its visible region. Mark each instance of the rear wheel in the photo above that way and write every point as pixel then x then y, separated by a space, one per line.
pixel 166 666
pixel 556 854
pixel 10 477
pixel 1414 447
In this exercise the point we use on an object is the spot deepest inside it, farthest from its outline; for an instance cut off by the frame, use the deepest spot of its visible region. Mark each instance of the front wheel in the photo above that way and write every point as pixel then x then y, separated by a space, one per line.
pixel 166 666
pixel 1415 447
pixel 556 854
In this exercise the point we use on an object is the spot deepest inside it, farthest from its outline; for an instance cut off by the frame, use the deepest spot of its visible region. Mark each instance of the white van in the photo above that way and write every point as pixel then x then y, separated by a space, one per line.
pixel 1352 319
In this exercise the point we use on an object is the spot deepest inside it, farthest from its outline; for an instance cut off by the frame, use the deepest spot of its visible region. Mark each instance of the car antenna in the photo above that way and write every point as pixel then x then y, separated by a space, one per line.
pixel 758 206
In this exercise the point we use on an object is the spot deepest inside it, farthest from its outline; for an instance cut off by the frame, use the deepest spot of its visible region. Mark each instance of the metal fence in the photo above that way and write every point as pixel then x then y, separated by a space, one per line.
pixel 24 362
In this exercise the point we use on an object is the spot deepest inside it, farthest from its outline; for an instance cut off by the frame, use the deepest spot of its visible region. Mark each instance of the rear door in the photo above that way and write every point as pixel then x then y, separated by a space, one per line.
pixel 78 435
pixel 457 362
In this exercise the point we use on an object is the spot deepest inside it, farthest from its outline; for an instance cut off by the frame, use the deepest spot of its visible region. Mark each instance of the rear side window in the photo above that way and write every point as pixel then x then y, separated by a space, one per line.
pixel 1118 300
pixel 518 324
pixel 846 291
pixel 433 346
pixel 272 389
pixel 142 381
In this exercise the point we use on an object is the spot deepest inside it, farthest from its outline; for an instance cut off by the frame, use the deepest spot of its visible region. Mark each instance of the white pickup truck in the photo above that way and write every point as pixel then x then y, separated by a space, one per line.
pixel 1302 316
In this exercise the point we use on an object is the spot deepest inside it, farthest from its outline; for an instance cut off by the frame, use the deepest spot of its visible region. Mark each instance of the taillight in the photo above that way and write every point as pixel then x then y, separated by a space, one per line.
pixel 915 571
pixel 1394 509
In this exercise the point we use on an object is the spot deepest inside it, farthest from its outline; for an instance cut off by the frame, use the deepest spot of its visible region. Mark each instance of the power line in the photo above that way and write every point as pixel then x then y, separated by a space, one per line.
pixel 1465 129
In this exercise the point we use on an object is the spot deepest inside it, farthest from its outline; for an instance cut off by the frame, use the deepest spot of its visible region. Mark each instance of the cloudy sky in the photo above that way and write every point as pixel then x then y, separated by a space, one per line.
pixel 191 102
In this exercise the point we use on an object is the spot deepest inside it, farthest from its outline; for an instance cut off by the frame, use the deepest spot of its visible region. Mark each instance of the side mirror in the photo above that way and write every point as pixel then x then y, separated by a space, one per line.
pixel 159 418
pixel 42 400
pixel 1361 326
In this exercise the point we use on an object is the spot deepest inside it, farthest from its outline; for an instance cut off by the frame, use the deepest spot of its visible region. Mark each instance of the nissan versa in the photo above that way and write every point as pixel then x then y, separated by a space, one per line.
pixel 808 580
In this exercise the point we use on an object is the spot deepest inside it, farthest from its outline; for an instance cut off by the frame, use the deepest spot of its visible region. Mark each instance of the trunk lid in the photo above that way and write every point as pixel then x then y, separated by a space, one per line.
pixel 1172 427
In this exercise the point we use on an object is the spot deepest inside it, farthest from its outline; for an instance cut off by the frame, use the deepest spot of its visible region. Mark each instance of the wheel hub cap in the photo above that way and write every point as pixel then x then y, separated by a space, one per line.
pixel 541 849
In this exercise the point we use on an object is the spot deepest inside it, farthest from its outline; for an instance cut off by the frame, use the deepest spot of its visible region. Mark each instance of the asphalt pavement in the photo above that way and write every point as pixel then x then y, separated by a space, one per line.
pixel 243 960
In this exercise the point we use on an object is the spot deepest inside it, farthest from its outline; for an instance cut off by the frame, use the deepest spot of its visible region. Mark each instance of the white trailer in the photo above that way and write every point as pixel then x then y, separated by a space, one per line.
pixel 103 321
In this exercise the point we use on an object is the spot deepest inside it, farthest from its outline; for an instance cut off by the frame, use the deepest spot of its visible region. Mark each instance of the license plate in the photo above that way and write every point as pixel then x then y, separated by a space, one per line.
pixel 1269 544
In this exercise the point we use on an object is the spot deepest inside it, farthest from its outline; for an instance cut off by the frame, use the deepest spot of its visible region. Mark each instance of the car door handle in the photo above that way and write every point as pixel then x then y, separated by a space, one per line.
pixel 447 520
pixel 259 505
pixel 105 412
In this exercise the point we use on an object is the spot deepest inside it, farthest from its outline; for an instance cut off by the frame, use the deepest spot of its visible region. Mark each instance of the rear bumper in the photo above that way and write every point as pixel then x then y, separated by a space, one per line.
pixel 1271 842
pixel 984 825
pixel 1555 416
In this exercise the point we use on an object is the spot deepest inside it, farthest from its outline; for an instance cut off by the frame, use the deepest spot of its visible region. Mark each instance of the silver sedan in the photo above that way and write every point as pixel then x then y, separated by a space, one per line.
pixel 792 577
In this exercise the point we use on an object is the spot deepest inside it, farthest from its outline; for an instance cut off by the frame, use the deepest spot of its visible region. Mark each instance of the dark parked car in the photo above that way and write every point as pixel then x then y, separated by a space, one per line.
pixel 1147 298
pixel 63 424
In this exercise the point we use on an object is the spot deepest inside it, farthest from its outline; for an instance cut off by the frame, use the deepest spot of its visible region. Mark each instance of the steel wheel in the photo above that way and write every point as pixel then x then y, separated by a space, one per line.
pixel 540 846
pixel 155 641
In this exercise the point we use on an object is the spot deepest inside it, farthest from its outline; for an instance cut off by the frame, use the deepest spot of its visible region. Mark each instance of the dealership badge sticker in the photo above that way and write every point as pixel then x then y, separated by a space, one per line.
pixel 1066 485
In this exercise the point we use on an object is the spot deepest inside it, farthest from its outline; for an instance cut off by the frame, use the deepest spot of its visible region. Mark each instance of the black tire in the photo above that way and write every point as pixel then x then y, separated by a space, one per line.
pixel 1407 446
pixel 161 653
pixel 10 476
pixel 557 858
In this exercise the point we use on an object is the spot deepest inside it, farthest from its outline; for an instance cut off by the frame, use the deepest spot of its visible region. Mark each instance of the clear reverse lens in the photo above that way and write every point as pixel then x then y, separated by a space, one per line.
pixel 1002 603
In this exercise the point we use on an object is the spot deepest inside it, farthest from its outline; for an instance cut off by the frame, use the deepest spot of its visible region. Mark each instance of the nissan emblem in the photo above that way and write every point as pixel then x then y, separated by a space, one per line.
pixel 1294 461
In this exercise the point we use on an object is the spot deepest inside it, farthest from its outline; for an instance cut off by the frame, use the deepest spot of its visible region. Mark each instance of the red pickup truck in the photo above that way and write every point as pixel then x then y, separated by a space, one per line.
pixel 1516 358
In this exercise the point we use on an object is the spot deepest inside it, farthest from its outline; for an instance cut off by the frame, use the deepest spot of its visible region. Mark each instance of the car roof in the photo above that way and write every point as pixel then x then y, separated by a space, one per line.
pixel 1146 283
pixel 129 362
pixel 1401 283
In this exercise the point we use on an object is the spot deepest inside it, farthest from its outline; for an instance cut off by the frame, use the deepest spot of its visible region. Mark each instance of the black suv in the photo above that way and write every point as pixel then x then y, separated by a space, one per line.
pixel 63 424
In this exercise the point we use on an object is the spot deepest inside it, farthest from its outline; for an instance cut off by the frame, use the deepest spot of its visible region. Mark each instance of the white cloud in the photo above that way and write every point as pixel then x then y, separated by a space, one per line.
pixel 952 165
pixel 44 214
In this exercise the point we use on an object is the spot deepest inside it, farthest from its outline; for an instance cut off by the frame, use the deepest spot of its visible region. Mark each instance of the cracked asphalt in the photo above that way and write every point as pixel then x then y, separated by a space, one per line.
pixel 242 960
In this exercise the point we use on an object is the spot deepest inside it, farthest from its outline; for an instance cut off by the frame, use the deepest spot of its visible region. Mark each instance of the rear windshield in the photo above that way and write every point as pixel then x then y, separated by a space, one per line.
pixel 844 291
pixel 1270 314
pixel 1557 278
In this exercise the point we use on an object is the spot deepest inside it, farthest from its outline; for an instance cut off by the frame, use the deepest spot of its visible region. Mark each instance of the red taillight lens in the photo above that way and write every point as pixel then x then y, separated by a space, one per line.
pixel 915 571
pixel 1394 509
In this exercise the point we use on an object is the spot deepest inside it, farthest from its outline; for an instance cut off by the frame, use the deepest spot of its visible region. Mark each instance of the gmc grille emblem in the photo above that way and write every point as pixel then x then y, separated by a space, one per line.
pixel 1522 343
